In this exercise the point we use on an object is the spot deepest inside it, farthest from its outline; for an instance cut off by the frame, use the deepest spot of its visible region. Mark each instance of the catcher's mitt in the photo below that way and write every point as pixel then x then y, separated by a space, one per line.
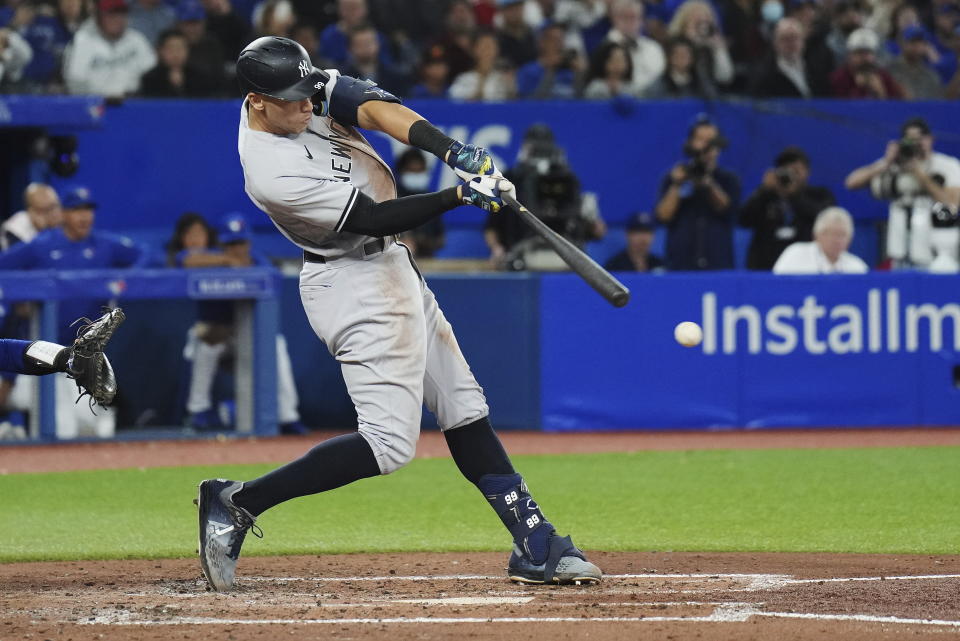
pixel 88 366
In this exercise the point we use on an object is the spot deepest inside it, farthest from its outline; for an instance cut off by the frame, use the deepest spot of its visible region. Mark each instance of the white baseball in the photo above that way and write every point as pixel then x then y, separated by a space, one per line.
pixel 688 334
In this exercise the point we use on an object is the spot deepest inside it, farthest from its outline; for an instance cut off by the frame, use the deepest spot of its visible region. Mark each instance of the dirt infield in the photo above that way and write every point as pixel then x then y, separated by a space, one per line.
pixel 648 595
pixel 444 596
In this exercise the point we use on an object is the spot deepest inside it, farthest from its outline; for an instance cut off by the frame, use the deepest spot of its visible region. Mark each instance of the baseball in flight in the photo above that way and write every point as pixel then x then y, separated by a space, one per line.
pixel 688 334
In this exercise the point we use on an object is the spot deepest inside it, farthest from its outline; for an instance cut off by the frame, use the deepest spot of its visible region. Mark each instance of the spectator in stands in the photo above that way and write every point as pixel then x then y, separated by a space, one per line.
pixel 230 30
pixel 364 61
pixel 848 16
pixel 413 177
pixel 786 74
pixel 15 55
pixel 456 39
pixel 696 21
pixel 335 39
pixel 946 40
pixel 827 254
pixel 913 178
pixel 194 245
pixel 782 209
pixel 611 73
pixel 46 39
pixel 557 72
pixel 490 80
pixel 434 75
pixel 684 77
pixel 173 77
pixel 589 21
pixel 904 15
pixel 40 202
pixel 108 58
pixel 74 246
pixel 518 44
pixel 746 32
pixel 71 14
pixel 206 53
pixel 646 55
pixel 636 256
pixel 306 34
pixel 698 203
pixel 151 18
pixel 41 211
pixel 812 16
pixel 910 69
pixel 274 18
pixel 861 75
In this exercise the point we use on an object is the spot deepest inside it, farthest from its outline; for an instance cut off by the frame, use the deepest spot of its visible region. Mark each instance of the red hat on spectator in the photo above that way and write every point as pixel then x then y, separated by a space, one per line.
pixel 106 6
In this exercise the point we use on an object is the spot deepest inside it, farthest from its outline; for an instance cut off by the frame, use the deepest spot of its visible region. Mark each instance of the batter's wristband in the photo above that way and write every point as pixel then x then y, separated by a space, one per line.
pixel 427 137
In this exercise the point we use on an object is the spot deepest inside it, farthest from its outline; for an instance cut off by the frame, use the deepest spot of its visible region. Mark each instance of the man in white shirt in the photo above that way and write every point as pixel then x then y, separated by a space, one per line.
pixel 41 211
pixel 109 59
pixel 645 53
pixel 827 254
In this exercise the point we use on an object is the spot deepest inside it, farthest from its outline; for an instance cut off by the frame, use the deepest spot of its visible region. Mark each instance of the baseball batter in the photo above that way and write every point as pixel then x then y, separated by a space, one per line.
pixel 326 189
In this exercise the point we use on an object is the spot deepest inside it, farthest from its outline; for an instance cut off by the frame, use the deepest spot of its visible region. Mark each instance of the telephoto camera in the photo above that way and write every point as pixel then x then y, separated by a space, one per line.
pixel 907 150
pixel 784 176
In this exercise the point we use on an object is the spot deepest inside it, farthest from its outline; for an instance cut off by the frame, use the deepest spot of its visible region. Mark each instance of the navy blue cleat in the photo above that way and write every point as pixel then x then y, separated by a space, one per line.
pixel 565 565
pixel 223 526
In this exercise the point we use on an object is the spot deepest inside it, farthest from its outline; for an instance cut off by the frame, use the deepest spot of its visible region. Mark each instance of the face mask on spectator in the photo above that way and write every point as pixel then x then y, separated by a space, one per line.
pixel 771 11
pixel 415 180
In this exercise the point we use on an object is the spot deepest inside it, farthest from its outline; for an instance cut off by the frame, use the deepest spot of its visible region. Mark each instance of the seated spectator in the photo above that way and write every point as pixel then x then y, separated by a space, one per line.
pixel 456 39
pixel 71 15
pixel 698 203
pixel 636 257
pixel 946 40
pixel 212 337
pixel 46 39
pixel 109 58
pixel 434 75
pixel 364 61
pixel 910 69
pixel 904 15
pixel 782 209
pixel 557 72
pixel 747 35
pixel 206 54
pixel 151 18
pixel 646 55
pixel 696 21
pixel 827 254
pixel 274 18
pixel 588 20
pixel 15 55
pixel 488 81
pixel 41 211
pixel 684 77
pixel 611 73
pixel 74 246
pixel 413 178
pixel 229 29
pixel 817 55
pixel 786 74
pixel 173 77
pixel 309 39
pixel 848 16
pixel 335 38
pixel 518 44
pixel 861 76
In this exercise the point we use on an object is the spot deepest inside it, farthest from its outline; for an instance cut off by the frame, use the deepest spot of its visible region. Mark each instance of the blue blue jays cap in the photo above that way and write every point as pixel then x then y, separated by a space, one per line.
pixel 641 221
pixel 234 228
pixel 79 198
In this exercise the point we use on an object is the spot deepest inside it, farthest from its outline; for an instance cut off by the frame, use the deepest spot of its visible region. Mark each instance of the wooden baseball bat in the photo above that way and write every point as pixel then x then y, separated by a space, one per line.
pixel 595 275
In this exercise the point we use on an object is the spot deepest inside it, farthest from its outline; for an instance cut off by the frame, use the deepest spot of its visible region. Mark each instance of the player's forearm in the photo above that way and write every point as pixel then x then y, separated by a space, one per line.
pixel 391 118
pixel 400 214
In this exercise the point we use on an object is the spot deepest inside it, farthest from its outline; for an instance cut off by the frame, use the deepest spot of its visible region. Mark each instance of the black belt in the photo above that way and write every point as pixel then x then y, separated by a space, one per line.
pixel 373 247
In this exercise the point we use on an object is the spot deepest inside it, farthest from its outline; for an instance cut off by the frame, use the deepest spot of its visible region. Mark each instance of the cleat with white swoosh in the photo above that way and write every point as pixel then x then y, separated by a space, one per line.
pixel 223 526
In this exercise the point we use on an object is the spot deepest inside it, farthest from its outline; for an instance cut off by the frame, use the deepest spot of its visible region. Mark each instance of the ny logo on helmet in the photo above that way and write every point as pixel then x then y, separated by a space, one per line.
pixel 304 68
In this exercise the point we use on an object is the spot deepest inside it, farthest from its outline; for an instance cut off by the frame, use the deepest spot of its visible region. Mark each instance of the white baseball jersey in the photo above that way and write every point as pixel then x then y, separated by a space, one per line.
pixel 308 183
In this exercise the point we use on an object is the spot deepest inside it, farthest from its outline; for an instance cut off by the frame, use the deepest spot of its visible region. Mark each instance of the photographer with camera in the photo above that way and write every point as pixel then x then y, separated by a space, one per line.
pixel 782 209
pixel 546 184
pixel 923 188
pixel 698 203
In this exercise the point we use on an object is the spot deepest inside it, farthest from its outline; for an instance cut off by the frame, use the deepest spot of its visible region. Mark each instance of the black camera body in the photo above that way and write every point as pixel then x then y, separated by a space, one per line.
pixel 696 169
pixel 783 176
pixel 907 150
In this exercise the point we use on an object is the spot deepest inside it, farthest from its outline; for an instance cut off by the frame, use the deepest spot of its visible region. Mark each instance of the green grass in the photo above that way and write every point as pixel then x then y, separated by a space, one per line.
pixel 869 500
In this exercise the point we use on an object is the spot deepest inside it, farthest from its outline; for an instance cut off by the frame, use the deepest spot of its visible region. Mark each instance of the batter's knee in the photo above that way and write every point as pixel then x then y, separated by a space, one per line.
pixel 392 450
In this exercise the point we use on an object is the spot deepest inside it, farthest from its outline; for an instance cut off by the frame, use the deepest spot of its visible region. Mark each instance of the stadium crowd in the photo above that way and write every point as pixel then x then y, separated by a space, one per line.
pixel 494 50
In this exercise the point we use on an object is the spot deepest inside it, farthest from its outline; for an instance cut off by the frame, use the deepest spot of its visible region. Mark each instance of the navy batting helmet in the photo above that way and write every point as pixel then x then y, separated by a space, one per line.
pixel 279 68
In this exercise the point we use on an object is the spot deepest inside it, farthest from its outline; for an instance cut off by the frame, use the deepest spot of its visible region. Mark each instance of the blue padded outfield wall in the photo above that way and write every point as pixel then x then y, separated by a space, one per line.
pixel 874 350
